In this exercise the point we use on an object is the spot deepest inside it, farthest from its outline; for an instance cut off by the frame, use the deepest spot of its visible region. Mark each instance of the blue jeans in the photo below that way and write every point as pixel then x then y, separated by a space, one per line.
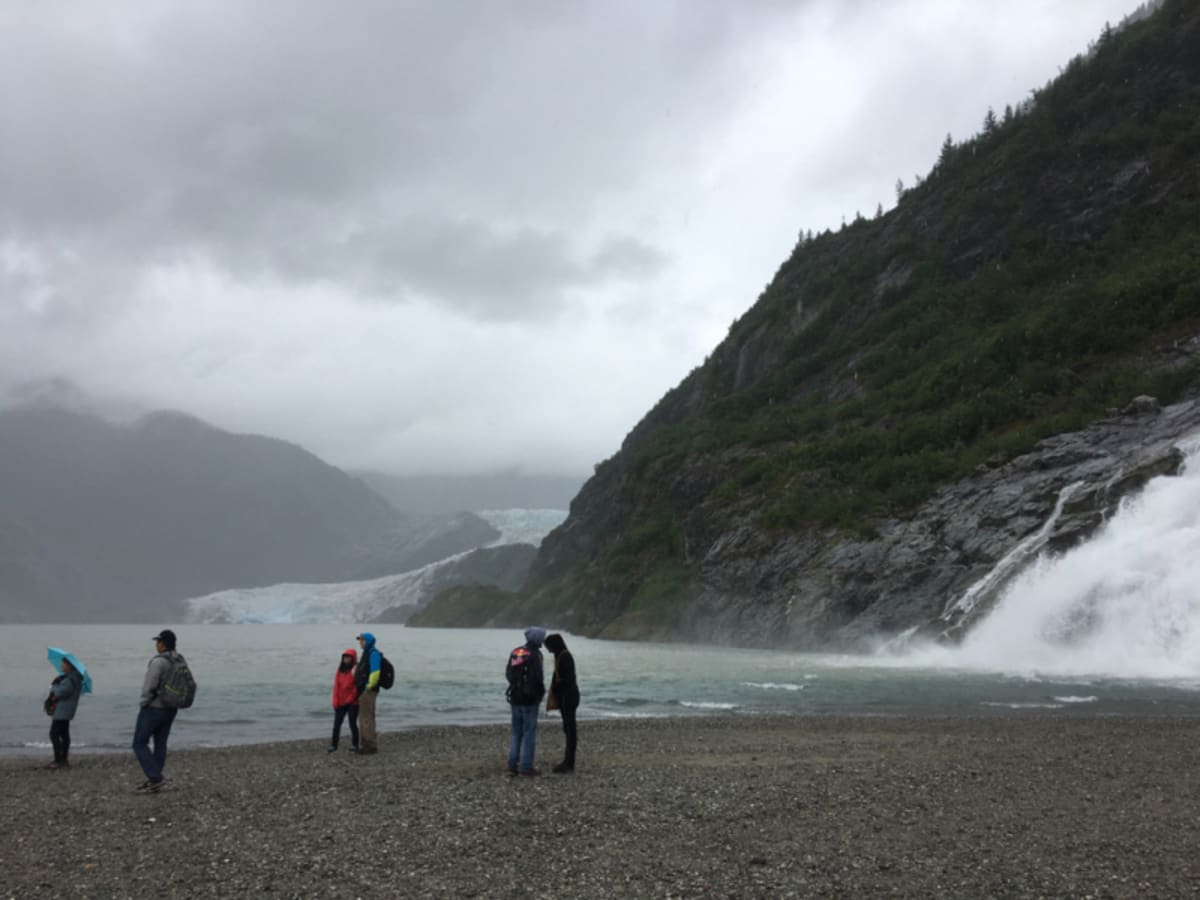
pixel 524 737
pixel 152 722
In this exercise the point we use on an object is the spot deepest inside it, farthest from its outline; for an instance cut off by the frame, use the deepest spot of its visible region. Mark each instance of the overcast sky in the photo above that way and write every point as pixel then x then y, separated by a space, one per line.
pixel 454 237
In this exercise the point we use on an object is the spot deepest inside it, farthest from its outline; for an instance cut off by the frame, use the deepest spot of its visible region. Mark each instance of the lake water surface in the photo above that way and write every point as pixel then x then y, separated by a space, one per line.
pixel 272 682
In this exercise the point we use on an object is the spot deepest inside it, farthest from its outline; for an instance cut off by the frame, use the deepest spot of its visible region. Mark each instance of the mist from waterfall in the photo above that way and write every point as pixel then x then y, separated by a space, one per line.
pixel 1125 604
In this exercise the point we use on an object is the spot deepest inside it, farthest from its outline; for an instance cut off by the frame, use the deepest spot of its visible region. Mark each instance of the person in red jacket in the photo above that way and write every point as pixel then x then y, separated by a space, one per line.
pixel 345 700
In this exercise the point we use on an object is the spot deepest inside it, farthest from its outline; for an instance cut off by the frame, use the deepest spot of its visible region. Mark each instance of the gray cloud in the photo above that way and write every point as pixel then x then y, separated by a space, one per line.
pixel 486 272
pixel 422 235
pixel 278 139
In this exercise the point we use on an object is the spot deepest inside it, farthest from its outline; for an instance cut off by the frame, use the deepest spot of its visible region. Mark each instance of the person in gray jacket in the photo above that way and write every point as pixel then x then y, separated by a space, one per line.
pixel 64 691
pixel 154 716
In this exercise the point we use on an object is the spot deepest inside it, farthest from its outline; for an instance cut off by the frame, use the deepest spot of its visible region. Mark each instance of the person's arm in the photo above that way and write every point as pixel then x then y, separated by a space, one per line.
pixel 153 680
pixel 373 678
pixel 566 672
pixel 63 688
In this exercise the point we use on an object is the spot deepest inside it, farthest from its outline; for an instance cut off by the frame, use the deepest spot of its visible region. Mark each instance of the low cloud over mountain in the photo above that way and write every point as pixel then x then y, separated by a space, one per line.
pixel 108 522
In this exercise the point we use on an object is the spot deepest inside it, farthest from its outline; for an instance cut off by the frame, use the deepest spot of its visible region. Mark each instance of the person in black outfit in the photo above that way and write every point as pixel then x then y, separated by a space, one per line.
pixel 564 693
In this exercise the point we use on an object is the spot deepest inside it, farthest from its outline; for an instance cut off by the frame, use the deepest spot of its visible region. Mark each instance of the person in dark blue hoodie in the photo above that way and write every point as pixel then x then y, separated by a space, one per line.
pixel 526 687
pixel 367 681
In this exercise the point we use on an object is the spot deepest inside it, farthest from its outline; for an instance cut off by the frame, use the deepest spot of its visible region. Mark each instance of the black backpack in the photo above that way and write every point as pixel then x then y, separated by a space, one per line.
pixel 387 673
pixel 524 688
pixel 178 688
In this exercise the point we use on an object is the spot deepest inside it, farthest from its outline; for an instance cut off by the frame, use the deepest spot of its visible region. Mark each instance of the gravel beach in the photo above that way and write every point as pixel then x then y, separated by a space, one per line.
pixel 1031 805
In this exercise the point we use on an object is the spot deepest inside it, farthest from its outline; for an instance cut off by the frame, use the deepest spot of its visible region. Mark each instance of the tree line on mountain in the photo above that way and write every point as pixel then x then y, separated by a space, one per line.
pixel 1036 323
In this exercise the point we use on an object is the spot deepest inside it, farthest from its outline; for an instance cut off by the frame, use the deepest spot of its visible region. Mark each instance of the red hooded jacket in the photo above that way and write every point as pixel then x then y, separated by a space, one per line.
pixel 345 693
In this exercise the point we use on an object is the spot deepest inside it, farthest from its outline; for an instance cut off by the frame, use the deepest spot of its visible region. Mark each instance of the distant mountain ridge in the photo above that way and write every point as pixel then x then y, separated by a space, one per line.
pixel 109 522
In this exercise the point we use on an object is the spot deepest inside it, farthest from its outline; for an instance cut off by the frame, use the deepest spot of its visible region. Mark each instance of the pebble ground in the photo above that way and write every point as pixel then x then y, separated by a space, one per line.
pixel 1047 805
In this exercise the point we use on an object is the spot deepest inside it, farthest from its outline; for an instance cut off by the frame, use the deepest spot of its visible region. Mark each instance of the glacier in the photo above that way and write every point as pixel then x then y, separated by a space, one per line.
pixel 360 601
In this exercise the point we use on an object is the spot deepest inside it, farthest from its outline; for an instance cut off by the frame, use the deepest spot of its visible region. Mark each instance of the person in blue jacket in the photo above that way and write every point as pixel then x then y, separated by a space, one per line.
pixel 367 681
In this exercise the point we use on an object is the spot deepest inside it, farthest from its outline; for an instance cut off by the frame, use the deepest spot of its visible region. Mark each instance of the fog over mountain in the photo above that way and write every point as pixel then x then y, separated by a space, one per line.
pixel 422 242
pixel 428 244
pixel 107 522
pixel 447 494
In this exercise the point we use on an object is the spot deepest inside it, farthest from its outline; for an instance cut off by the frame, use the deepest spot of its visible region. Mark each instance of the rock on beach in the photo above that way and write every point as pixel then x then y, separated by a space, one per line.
pixel 1049 804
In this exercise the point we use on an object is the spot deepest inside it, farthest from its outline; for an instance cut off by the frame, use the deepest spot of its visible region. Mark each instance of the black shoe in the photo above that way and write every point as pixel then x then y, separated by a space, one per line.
pixel 512 770
pixel 149 787
pixel 563 769
pixel 529 772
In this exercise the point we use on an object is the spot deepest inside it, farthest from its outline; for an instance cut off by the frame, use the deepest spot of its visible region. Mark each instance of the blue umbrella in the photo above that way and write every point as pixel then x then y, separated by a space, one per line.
pixel 56 657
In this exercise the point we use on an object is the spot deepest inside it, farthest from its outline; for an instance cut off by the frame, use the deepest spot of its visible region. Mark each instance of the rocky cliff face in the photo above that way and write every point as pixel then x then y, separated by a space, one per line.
pixel 934 572
pixel 944 567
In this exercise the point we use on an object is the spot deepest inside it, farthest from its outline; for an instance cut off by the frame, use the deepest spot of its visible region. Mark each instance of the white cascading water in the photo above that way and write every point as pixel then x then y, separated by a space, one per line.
pixel 1125 604
pixel 1015 559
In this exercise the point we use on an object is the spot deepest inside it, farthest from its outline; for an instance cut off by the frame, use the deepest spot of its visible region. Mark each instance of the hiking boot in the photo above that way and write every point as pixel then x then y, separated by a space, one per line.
pixel 529 772
pixel 563 769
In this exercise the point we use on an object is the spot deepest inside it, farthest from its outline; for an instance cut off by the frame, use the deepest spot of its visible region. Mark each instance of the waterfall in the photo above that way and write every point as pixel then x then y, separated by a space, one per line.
pixel 1013 561
pixel 1125 603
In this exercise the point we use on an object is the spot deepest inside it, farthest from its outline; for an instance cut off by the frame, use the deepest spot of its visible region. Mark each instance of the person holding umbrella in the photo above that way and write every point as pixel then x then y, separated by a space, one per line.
pixel 65 691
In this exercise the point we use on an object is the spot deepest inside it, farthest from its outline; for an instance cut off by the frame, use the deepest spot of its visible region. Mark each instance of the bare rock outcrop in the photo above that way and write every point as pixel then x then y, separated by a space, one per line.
pixel 945 566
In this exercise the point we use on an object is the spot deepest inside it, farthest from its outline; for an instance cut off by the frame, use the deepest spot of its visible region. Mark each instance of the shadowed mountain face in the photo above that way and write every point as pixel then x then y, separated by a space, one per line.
pixel 844 463
pixel 106 522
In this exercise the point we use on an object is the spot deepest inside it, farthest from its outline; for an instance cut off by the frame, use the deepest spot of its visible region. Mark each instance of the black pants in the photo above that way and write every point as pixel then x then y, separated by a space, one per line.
pixel 345 712
pixel 60 739
pixel 568 717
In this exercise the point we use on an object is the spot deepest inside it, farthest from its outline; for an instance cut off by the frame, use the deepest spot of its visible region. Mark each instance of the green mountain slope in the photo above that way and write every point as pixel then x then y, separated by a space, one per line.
pixel 1045 272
